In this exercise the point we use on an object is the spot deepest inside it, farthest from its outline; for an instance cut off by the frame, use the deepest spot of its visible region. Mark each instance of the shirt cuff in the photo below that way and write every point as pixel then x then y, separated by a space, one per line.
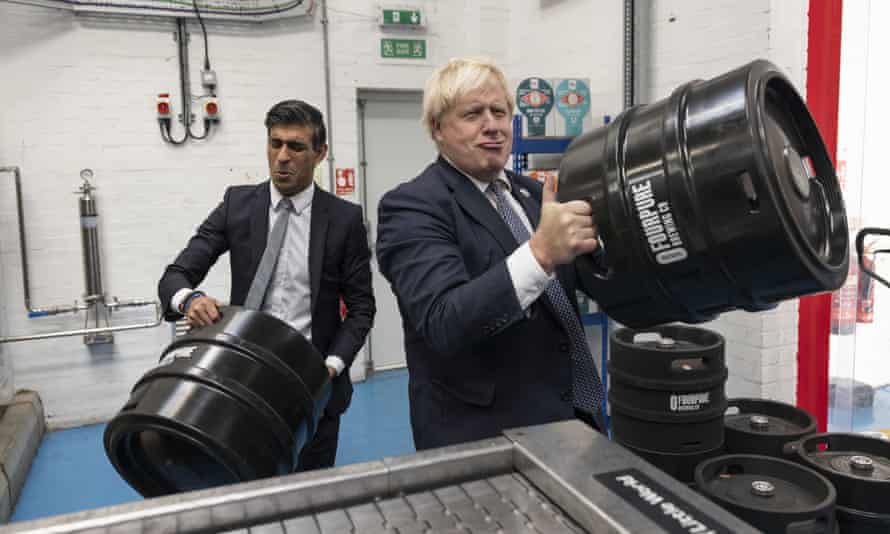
pixel 336 363
pixel 178 298
pixel 529 278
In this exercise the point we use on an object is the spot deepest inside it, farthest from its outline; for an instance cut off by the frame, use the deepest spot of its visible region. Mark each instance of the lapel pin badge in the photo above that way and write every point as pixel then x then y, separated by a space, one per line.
pixel 524 192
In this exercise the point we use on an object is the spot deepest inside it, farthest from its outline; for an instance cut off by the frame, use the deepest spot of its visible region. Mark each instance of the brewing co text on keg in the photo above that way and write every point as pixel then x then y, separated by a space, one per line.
pixel 657 222
pixel 689 402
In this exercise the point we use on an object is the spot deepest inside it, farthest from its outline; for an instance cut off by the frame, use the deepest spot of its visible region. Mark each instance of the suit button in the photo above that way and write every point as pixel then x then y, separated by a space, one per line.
pixel 566 396
pixel 564 346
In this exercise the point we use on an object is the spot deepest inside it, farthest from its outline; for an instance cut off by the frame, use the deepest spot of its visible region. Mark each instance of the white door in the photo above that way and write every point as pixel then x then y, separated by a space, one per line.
pixel 396 148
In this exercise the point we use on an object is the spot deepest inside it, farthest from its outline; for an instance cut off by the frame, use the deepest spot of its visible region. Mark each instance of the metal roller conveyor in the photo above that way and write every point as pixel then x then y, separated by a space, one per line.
pixel 554 478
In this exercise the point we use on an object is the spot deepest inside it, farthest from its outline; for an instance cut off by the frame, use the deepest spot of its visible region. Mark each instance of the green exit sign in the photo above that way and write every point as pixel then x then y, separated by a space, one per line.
pixel 404 18
pixel 403 48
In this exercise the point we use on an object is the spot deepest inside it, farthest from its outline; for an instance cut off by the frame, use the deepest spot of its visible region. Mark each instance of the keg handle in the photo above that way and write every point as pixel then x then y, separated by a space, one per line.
pixel 601 268
pixel 791 448
pixel 860 249
pixel 816 525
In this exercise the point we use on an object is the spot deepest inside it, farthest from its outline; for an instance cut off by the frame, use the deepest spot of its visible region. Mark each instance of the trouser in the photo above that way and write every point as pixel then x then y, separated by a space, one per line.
pixel 321 451
pixel 592 421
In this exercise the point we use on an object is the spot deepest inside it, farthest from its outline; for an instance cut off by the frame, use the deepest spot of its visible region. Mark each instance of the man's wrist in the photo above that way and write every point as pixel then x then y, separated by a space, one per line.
pixel 336 363
pixel 188 300
pixel 541 257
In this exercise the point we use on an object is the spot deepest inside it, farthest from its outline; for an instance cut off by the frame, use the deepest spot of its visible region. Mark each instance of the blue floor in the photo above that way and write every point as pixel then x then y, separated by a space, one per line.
pixel 875 417
pixel 71 472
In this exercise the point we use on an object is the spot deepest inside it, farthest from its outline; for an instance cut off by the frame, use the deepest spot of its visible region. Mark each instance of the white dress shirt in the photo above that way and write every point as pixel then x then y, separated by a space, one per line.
pixel 528 277
pixel 289 295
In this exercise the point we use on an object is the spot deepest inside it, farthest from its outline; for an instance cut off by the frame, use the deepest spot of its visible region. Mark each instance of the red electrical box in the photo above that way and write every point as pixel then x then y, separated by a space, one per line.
pixel 211 109
pixel 162 105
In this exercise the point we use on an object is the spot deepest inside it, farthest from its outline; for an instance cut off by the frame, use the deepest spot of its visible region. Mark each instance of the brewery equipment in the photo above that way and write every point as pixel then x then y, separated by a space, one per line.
pixel 96 305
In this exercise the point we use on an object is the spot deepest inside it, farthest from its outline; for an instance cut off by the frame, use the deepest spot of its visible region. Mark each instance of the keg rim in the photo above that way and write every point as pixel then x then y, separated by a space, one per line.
pixel 124 429
pixel 705 466
pixel 763 76
pixel 751 406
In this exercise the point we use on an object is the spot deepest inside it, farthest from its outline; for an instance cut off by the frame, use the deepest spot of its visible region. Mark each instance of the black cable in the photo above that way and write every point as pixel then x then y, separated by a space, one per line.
pixel 271 10
pixel 204 31
pixel 203 135
pixel 165 133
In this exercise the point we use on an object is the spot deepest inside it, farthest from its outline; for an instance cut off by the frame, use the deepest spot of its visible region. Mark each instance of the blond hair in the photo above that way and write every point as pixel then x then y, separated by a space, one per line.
pixel 455 79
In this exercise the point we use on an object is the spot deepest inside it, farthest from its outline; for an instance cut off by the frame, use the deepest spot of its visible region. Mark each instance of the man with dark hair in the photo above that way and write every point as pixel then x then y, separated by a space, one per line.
pixel 323 258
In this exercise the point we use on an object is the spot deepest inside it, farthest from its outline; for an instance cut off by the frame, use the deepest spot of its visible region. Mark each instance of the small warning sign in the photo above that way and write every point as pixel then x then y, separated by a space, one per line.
pixel 345 182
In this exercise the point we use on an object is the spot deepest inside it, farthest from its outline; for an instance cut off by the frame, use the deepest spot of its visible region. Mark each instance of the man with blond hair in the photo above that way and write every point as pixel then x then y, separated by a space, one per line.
pixel 480 260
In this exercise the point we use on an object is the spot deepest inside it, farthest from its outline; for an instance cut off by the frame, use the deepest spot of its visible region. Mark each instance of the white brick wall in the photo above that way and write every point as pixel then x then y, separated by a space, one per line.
pixel 82 93
pixel 690 40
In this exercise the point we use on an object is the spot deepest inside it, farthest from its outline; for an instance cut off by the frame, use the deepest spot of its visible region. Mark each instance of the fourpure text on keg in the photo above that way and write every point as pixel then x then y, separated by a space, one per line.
pixel 657 223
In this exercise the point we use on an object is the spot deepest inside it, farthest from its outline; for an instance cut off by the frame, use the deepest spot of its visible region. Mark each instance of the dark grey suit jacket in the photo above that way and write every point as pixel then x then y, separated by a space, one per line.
pixel 477 363
pixel 339 267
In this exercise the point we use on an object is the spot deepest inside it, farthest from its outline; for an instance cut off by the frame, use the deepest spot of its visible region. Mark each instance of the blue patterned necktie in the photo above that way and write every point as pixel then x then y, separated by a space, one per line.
pixel 264 272
pixel 587 389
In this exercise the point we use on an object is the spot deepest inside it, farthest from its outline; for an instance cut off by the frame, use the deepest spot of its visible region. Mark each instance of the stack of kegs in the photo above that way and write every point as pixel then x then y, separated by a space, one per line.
pixel 754 482
pixel 667 395
pixel 761 460
pixel 859 468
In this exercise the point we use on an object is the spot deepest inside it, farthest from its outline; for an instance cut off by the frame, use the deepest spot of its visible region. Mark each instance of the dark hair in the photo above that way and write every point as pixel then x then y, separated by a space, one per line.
pixel 298 113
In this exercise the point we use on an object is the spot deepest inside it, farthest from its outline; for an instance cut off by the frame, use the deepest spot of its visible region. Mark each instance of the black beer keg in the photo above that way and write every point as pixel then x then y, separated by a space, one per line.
pixel 667 394
pixel 773 495
pixel 229 402
pixel 719 197
pixel 667 388
pixel 764 426
pixel 680 465
pixel 859 468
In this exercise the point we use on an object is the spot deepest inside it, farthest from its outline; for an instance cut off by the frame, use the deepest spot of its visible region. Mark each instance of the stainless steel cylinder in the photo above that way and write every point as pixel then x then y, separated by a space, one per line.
pixel 89 232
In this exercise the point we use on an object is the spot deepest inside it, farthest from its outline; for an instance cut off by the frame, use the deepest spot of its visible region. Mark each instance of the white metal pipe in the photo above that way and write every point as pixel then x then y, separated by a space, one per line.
pixel 86 331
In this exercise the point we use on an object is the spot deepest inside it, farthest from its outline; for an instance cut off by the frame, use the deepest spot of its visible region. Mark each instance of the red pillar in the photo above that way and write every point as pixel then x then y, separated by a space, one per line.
pixel 823 80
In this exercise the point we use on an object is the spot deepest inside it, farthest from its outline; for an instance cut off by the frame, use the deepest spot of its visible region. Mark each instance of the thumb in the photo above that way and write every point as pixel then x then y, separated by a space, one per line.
pixel 549 193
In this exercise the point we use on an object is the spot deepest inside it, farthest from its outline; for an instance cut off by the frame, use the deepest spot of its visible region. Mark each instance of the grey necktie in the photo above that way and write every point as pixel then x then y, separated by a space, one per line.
pixel 270 257
pixel 587 389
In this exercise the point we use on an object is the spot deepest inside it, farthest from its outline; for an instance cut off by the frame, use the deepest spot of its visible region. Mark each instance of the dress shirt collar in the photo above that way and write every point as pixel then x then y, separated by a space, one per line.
pixel 482 186
pixel 300 201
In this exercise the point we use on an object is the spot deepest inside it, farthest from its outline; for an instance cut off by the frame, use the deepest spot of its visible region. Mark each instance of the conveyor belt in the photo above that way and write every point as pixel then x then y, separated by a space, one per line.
pixel 555 478
pixel 504 503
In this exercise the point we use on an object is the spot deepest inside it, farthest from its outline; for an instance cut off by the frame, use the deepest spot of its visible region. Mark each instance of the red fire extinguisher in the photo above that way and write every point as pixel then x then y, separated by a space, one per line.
pixel 865 298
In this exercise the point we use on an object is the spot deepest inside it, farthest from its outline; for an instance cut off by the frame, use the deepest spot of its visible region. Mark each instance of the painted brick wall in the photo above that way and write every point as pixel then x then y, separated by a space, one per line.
pixel 84 97
pixel 699 40
pixel 83 92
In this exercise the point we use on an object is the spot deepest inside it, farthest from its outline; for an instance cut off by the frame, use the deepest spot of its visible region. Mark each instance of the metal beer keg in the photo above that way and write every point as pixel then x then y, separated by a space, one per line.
pixel 667 395
pixel 771 494
pixel 764 426
pixel 720 197
pixel 859 468
pixel 229 402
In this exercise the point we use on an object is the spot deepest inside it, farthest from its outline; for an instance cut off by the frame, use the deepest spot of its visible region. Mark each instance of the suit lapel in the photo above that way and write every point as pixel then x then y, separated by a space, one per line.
pixel 477 206
pixel 259 225
pixel 318 229
pixel 531 204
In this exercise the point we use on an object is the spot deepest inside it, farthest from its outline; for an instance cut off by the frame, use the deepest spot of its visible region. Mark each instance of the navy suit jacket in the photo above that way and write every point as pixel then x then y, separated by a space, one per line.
pixel 339 266
pixel 477 363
